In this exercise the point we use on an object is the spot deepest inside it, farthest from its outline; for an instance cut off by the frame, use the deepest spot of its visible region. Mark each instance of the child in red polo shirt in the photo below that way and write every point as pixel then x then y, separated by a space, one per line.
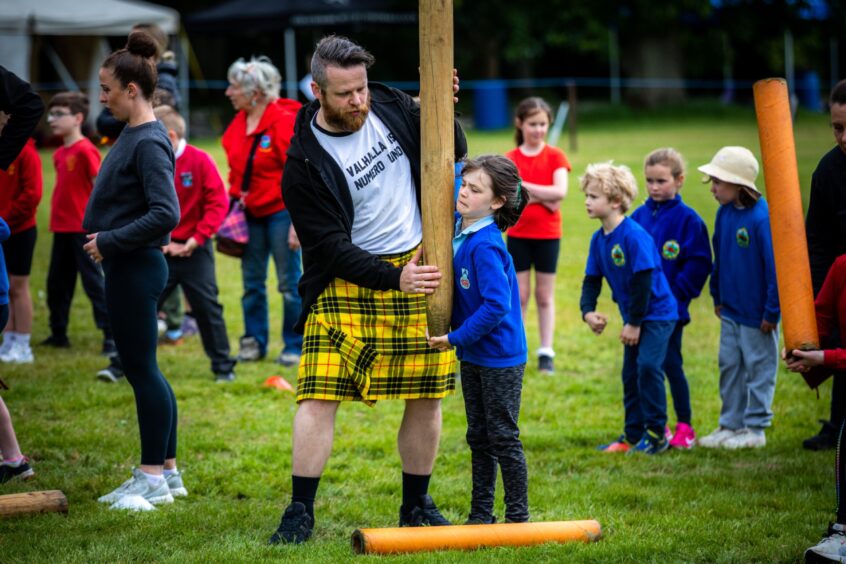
pixel 77 163
pixel 203 204
pixel 20 194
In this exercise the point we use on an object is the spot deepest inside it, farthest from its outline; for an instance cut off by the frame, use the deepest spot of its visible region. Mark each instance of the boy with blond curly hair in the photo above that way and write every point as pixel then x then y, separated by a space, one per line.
pixel 623 253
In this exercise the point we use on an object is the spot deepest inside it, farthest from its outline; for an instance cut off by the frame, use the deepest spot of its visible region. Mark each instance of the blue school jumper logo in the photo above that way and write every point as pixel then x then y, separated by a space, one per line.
pixel 465 280
pixel 742 236
pixel 264 144
pixel 187 179
pixel 671 249
pixel 618 256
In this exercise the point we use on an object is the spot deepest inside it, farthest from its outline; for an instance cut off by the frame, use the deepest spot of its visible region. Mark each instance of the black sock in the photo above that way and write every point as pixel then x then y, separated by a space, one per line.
pixel 413 486
pixel 304 490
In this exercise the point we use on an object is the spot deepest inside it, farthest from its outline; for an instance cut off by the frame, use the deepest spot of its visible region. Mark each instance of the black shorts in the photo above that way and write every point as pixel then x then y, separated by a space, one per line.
pixel 18 250
pixel 542 253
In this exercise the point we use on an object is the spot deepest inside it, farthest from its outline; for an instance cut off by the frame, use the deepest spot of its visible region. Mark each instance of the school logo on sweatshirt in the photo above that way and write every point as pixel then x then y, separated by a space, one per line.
pixel 264 144
pixel 742 236
pixel 465 279
pixel 671 249
pixel 618 256
pixel 187 179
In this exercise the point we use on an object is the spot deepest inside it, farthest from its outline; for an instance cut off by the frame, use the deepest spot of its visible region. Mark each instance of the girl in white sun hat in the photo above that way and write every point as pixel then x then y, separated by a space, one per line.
pixel 743 285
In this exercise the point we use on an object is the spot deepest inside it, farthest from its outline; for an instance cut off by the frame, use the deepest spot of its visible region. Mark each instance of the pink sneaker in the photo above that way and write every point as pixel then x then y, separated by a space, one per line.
pixel 685 437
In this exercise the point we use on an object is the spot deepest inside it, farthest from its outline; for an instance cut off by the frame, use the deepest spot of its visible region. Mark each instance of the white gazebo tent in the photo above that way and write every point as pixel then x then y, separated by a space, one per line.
pixel 23 21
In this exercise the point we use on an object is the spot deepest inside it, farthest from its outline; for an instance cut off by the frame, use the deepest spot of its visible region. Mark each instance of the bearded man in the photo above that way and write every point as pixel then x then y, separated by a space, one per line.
pixel 352 187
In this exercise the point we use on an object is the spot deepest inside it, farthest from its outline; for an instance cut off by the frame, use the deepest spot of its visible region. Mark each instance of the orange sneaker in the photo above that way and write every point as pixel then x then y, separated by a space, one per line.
pixel 619 445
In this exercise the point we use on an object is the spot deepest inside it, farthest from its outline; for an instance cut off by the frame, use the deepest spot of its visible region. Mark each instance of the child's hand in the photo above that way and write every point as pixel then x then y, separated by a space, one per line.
pixel 630 335
pixel 596 322
pixel 802 361
pixel 441 343
pixel 767 327
pixel 718 311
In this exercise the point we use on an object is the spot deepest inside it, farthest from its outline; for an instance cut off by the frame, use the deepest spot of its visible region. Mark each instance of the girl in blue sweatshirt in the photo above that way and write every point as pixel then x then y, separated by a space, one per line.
pixel 745 294
pixel 488 333
pixel 682 241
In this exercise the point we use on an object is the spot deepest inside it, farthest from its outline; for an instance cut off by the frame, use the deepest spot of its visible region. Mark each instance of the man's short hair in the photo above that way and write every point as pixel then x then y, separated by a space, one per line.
pixel 171 119
pixel 838 93
pixel 76 102
pixel 615 182
pixel 337 51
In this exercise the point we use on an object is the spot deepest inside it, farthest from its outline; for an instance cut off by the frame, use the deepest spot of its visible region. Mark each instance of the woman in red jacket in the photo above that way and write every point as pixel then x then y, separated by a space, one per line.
pixel 256 143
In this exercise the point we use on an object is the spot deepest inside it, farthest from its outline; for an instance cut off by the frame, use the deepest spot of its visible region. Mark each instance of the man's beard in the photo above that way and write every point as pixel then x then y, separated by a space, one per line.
pixel 343 120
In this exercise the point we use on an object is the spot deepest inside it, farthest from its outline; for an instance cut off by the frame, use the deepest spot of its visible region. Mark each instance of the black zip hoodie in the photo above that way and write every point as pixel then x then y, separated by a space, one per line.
pixel 317 196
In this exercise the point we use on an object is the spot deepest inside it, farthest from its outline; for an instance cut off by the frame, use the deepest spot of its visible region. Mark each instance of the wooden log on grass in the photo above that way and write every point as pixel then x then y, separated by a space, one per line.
pixel 33 502
pixel 787 222
pixel 437 153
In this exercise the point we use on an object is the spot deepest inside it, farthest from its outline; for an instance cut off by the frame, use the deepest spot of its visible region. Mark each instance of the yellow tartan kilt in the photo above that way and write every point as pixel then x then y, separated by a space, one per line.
pixel 367 345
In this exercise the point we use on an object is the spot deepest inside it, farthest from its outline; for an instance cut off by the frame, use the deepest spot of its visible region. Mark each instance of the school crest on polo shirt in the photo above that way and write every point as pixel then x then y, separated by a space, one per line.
pixel 265 143
pixel 464 281
pixel 187 179
pixel 618 256
pixel 671 249
pixel 70 162
pixel 742 237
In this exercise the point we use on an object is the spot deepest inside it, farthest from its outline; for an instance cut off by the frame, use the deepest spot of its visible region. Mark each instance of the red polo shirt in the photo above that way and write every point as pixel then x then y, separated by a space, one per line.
pixel 76 167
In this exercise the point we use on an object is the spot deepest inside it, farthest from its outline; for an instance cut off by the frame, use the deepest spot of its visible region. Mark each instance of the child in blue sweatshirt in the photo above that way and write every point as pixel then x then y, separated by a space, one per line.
pixel 488 333
pixel 625 255
pixel 682 241
pixel 745 294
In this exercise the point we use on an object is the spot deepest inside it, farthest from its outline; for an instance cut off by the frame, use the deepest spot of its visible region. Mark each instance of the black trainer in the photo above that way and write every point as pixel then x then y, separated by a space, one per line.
pixel 296 525
pixel 826 439
pixel 423 514
pixel 57 341
pixel 112 373
pixel 476 520
pixel 23 471
pixel 545 365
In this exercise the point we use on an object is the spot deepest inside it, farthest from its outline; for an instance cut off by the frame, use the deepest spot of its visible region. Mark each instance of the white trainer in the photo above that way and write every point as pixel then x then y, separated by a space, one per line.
pixel 717 437
pixel 746 438
pixel 832 547
pixel 18 353
pixel 6 346
pixel 174 483
pixel 138 485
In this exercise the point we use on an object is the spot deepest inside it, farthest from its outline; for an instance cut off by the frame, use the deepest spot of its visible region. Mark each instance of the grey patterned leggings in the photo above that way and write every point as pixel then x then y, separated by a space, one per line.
pixel 492 403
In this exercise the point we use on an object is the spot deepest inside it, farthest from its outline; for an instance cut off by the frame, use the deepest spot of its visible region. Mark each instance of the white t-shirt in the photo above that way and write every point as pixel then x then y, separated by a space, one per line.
pixel 387 219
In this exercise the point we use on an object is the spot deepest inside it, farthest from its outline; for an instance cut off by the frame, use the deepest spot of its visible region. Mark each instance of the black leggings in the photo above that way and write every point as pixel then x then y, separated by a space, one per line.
pixel 134 281
pixel 839 477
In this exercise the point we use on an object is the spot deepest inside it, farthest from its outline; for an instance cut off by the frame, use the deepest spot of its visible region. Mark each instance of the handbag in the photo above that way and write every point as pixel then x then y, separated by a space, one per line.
pixel 234 233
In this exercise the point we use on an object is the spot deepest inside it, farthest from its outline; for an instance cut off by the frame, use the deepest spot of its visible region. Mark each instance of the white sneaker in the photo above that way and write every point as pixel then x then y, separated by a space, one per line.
pixel 832 547
pixel 174 483
pixel 18 353
pixel 137 486
pixel 746 438
pixel 6 346
pixel 717 437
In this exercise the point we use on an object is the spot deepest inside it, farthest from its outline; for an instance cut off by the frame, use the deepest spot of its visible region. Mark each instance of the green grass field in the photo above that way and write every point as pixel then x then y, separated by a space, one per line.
pixel 767 505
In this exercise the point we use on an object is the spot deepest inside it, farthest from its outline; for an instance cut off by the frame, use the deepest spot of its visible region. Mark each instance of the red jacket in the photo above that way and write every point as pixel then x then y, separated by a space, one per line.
pixel 202 196
pixel 20 189
pixel 831 313
pixel 276 129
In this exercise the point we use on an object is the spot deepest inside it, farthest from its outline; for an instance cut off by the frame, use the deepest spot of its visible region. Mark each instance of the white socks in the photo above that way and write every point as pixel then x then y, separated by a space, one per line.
pixel 546 351
pixel 154 479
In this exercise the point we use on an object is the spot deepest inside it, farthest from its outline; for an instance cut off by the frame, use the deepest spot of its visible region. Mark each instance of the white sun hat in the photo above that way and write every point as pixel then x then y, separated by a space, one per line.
pixel 736 165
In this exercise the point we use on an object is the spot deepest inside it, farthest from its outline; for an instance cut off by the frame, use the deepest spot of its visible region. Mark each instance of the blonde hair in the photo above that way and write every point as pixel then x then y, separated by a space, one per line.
pixel 171 119
pixel 668 157
pixel 258 76
pixel 615 182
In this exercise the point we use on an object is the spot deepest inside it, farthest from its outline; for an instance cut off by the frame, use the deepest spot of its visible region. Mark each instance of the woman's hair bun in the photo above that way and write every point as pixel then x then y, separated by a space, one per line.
pixel 142 44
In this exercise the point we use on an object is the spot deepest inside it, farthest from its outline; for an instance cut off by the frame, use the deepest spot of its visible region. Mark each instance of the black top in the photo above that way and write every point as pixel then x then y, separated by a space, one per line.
pixel 25 108
pixel 317 196
pixel 825 224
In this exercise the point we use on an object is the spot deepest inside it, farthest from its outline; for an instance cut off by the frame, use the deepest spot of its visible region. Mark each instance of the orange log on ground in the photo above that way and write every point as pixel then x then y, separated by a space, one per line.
pixel 781 175
pixel 33 502
pixel 437 153
pixel 472 537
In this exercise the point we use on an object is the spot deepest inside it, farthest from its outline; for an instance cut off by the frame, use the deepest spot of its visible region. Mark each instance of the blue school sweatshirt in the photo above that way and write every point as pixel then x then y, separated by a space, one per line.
pixel 744 278
pixel 5 232
pixel 486 318
pixel 682 241
pixel 617 256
